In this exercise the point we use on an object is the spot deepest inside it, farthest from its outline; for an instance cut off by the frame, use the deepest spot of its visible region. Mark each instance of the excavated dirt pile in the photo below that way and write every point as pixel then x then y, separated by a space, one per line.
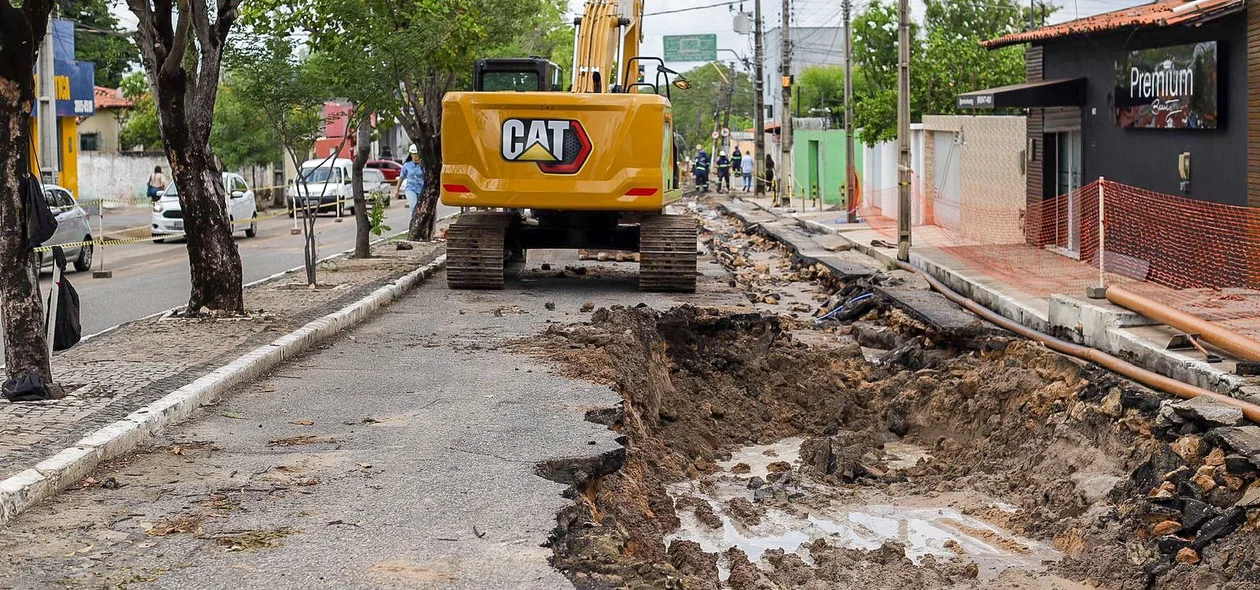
pixel 763 456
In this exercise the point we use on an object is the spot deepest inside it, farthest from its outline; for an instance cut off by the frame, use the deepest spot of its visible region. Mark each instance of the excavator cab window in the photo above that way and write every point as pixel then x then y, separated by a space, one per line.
pixel 531 74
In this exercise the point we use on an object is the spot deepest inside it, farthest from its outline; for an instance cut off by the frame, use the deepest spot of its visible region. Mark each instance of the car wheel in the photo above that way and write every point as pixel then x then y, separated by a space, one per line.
pixel 84 262
pixel 252 230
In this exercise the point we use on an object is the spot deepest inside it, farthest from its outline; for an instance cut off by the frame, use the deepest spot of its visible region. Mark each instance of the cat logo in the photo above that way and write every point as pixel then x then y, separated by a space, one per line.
pixel 558 146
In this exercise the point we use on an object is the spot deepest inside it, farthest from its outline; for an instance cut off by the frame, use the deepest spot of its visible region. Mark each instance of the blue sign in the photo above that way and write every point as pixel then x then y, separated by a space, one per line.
pixel 74 81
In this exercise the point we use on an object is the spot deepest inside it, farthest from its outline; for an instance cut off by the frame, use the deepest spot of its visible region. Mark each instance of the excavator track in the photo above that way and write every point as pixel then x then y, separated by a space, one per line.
pixel 475 250
pixel 667 254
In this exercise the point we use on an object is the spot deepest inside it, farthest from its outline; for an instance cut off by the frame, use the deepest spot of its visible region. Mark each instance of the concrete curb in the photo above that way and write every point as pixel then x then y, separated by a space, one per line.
pixel 273 277
pixel 31 486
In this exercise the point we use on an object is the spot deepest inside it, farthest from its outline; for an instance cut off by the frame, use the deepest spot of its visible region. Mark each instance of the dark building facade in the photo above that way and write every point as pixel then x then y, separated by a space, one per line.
pixel 1158 99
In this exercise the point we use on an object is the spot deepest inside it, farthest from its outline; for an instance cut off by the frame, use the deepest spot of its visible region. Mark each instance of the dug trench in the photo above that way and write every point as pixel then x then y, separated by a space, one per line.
pixel 770 451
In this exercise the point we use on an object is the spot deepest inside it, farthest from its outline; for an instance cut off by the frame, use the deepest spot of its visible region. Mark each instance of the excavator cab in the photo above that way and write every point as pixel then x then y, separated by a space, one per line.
pixel 517 74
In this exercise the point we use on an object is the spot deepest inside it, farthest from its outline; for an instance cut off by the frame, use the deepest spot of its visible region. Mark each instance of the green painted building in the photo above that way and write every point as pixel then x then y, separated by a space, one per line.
pixel 818 163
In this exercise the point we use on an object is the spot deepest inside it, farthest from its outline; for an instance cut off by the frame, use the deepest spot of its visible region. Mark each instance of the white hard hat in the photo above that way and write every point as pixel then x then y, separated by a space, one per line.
pixel 722 153
pixel 412 149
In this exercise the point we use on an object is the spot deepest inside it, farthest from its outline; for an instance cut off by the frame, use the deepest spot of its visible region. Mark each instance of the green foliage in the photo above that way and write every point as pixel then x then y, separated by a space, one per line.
pixel 110 48
pixel 946 60
pixel 543 34
pixel 140 129
pixel 822 91
pixel 284 90
pixel 695 109
pixel 241 135
pixel 376 215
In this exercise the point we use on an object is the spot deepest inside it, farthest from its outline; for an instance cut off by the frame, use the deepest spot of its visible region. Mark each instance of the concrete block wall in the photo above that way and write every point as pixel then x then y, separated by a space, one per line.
pixel 119 176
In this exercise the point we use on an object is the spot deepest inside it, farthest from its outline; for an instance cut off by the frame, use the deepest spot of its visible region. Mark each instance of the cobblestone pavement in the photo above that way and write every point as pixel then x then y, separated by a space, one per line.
pixel 110 376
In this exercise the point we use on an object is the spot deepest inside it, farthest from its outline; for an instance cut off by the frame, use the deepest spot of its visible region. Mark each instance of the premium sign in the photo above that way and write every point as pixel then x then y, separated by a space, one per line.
pixel 1168 87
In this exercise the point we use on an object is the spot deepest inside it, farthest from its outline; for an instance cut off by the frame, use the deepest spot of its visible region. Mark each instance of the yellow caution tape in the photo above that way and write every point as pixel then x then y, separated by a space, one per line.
pixel 119 242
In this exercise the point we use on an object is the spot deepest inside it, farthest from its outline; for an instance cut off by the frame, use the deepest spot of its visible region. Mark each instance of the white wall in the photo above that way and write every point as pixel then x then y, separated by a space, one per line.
pixel 118 176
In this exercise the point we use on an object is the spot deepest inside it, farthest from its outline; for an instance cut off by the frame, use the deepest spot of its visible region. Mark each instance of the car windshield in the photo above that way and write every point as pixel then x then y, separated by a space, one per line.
pixel 322 174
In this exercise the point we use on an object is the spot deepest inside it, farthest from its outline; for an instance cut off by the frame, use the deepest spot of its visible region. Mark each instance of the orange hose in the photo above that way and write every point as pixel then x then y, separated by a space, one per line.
pixel 1102 359
pixel 1223 338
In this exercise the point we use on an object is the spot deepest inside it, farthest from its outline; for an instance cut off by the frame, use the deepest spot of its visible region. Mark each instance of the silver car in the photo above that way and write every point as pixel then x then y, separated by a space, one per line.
pixel 72 227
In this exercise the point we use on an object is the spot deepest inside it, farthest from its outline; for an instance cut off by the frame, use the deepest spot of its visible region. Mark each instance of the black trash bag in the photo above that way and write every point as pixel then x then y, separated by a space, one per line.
pixel 68 331
pixel 40 221
pixel 26 388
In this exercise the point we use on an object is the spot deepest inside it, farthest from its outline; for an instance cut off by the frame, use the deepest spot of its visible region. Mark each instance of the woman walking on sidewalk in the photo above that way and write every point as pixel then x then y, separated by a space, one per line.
pixel 411 179
pixel 157 183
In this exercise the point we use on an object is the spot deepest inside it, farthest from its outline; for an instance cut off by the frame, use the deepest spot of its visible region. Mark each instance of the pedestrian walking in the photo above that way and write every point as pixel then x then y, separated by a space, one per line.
pixel 737 163
pixel 701 170
pixel 411 179
pixel 156 184
pixel 746 168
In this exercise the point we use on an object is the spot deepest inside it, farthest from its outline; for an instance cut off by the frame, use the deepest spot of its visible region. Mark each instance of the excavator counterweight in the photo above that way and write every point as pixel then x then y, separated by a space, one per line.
pixel 592 168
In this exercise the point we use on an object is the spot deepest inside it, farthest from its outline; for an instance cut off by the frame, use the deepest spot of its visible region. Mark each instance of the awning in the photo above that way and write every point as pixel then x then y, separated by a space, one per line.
pixel 1067 92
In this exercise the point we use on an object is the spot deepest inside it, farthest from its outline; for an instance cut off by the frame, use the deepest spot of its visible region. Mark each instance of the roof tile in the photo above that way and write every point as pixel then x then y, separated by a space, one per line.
pixel 1161 13
pixel 111 98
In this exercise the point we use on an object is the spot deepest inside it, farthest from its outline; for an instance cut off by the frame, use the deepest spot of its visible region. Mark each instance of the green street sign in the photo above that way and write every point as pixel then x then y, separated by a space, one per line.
pixel 684 48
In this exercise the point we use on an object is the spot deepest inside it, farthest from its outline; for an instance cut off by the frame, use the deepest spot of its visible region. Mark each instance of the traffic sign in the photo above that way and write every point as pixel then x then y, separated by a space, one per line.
pixel 685 48
pixel 726 132
pixel 715 135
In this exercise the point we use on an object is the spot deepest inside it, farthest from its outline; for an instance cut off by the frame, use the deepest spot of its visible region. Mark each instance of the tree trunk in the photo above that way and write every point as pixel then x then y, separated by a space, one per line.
pixel 213 257
pixel 363 229
pixel 21 310
pixel 185 81
pixel 424 216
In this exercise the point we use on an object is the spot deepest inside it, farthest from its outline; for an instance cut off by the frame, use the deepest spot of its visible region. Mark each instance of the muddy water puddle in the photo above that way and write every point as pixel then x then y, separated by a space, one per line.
pixel 864 520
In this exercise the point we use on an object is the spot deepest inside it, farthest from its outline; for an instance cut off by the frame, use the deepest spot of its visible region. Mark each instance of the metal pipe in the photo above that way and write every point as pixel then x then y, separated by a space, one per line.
pixel 1226 339
pixel 1102 359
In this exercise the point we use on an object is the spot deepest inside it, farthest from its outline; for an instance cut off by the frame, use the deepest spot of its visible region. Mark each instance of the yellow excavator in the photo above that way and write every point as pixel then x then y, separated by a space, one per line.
pixel 592 168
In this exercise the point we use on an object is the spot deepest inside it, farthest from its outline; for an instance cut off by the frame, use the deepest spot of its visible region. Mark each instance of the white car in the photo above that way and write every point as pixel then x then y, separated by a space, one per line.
pixel 72 227
pixel 328 187
pixel 168 217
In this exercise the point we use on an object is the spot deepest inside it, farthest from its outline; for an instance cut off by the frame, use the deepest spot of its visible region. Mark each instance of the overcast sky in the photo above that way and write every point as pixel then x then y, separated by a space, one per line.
pixel 807 13
pixel 720 19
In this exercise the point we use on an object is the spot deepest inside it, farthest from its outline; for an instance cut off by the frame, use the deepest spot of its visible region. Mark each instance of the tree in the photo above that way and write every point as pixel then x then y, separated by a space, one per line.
pixel 25 347
pixel 287 90
pixel 822 91
pixel 140 128
pixel 182 51
pixel 695 109
pixel 946 60
pixel 242 135
pixel 98 39
pixel 424 47
pixel 875 54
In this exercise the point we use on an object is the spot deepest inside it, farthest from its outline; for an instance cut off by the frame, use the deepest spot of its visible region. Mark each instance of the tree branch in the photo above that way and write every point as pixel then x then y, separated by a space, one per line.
pixel 179 44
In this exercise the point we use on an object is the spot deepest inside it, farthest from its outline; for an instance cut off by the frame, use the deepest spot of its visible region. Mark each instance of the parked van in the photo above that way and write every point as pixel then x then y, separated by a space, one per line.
pixel 328 189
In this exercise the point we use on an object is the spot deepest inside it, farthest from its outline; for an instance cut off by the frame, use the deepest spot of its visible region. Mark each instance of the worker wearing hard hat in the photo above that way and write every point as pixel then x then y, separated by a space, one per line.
pixel 411 179
pixel 724 172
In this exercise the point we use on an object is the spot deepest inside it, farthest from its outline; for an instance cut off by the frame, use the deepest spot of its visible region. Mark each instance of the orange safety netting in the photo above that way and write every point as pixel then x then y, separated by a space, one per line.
pixel 1197 256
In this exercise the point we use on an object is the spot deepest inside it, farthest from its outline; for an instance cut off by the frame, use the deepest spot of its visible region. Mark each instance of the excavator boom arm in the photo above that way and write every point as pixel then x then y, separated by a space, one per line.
pixel 608 38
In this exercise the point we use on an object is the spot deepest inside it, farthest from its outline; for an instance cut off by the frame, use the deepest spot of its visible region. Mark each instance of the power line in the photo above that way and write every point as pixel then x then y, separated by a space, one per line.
pixel 676 10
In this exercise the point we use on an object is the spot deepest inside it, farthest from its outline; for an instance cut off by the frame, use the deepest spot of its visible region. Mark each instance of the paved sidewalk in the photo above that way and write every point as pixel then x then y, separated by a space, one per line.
pixel 402 455
pixel 112 375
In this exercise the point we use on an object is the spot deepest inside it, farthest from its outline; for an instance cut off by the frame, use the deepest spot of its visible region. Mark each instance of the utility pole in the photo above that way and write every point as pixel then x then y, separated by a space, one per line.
pixel 850 173
pixel 903 133
pixel 759 117
pixel 784 193
pixel 49 155
pixel 726 114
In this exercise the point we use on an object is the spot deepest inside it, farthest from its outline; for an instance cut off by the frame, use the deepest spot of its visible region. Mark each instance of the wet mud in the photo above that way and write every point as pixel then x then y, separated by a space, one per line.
pixel 772 451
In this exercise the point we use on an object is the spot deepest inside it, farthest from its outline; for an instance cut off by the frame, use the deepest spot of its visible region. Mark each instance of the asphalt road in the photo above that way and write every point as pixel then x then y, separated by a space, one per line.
pixel 400 454
pixel 149 278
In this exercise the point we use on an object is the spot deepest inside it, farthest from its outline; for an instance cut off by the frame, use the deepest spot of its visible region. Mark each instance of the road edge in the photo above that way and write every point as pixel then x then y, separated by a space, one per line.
pixel 265 279
pixel 48 477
